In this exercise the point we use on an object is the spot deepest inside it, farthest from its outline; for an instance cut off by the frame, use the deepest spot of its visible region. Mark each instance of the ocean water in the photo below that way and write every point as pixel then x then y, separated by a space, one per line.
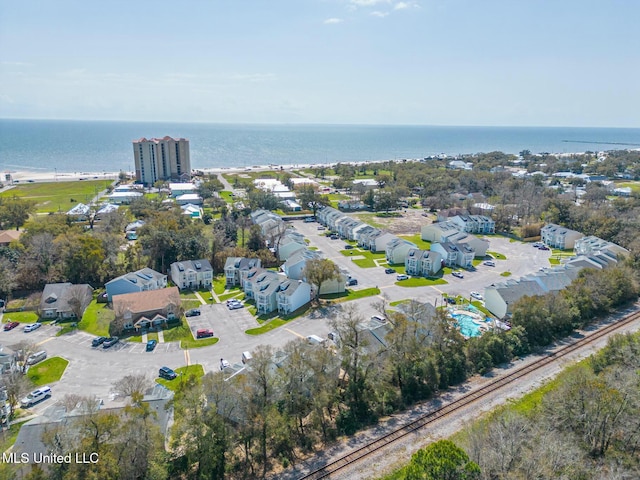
pixel 96 146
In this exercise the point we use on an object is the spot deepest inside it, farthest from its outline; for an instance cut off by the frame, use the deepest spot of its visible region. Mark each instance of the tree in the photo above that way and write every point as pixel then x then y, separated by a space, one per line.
pixel 17 385
pixel 8 277
pixel 129 385
pixel 79 297
pixel 15 211
pixel 442 460
pixel 256 240
pixel 309 197
pixel 320 270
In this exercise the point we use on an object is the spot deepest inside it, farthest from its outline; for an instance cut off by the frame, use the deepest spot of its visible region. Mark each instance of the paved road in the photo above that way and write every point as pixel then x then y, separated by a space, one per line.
pixel 92 371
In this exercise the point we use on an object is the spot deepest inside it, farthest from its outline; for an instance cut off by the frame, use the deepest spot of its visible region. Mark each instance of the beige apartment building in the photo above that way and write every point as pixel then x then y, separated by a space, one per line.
pixel 161 159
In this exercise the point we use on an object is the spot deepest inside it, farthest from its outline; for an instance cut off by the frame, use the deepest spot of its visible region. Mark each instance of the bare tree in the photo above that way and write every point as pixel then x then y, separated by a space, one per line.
pixel 78 299
pixel 132 384
pixel 17 385
pixel 320 270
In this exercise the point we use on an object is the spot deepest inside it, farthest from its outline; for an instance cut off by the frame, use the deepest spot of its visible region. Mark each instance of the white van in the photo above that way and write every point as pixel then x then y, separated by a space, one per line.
pixel 315 340
pixel 378 318
pixel 246 357
pixel 36 357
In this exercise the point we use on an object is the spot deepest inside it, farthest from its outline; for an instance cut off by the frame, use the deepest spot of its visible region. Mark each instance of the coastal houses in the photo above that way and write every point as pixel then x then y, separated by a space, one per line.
pixel 138 281
pixel 555 236
pixel 424 263
pixel 65 301
pixel 192 274
pixel 235 266
pixel 147 309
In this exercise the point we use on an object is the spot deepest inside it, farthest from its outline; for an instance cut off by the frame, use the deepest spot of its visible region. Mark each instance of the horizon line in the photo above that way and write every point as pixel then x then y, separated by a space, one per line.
pixel 315 123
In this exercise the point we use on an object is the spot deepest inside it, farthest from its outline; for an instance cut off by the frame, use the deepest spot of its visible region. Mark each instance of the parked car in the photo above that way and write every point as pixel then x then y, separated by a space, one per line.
pixel 402 276
pixel 352 281
pixel 320 227
pixel 224 364
pixel 348 247
pixel 476 295
pixel 389 270
pixel 151 344
pixel 489 263
pixel 32 326
pixel 309 219
pixel 457 274
pixel 194 312
pixel 109 342
pixel 234 304
pixel 204 333
pixel 450 300
pixel 334 237
pixel 167 373
pixel 96 342
pixel 544 247
pixel 36 357
pixel 10 326
pixel 36 396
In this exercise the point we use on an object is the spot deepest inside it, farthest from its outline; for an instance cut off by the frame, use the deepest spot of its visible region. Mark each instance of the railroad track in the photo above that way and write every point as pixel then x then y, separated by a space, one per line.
pixel 381 442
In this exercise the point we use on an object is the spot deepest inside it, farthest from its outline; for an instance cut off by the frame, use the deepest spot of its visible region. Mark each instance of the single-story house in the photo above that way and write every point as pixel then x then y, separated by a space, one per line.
pixel 192 198
pixel 148 309
pixel 63 300
pixel 80 212
pixel 178 189
pixel 8 236
pixel 124 197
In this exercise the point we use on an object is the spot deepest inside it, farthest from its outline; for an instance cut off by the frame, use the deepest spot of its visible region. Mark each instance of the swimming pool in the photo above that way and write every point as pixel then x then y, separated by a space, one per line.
pixel 470 325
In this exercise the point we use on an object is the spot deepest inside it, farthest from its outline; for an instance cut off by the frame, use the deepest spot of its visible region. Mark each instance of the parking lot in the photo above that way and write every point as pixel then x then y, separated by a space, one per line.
pixel 93 370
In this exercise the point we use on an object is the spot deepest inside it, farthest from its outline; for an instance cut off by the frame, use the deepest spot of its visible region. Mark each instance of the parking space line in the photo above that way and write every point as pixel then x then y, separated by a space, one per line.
pixel 187 358
pixel 295 333
pixel 44 341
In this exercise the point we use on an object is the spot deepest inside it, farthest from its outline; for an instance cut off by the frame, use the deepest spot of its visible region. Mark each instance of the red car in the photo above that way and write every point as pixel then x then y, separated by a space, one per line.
pixel 204 333
pixel 10 325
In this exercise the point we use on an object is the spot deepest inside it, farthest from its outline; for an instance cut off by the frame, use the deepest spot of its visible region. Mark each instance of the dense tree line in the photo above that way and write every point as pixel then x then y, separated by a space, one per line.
pixel 586 427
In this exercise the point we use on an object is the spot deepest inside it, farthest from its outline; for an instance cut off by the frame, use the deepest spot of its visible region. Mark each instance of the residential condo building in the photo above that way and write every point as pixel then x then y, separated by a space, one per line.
pixel 161 159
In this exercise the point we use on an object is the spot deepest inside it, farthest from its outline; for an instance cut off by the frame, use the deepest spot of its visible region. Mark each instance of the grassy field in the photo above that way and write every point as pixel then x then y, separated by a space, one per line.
pixel 58 196
pixel 367 261
pixel 185 375
pixel 22 317
pixel 421 282
pixel 48 371
pixel 351 295
pixel 421 244
pixel 191 343
pixel 8 437
pixel 96 319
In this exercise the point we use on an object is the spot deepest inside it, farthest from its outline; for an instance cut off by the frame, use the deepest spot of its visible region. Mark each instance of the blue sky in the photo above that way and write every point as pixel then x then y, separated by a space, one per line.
pixel 430 62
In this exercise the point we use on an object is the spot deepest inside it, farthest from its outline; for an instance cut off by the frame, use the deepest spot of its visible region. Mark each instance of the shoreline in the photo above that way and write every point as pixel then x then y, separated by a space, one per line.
pixel 30 176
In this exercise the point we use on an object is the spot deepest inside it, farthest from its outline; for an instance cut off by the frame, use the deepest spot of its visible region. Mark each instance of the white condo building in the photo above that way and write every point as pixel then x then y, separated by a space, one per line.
pixel 161 159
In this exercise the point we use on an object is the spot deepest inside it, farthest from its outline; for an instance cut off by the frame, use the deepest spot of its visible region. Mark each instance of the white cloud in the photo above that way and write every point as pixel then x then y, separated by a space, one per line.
pixel 405 5
pixel 379 14
pixel 368 3
pixel 333 21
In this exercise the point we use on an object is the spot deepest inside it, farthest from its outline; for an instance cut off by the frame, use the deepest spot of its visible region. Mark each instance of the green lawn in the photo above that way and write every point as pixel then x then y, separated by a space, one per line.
pixel 635 186
pixel 48 371
pixel 96 319
pixel 226 196
pixel 351 295
pixel 267 327
pixel 421 282
pixel 198 342
pixel 505 274
pixel 8 437
pixel 57 196
pixel 421 244
pixel 219 284
pixel 497 256
pixel 367 261
pixel 152 336
pixel 22 317
pixel 185 376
